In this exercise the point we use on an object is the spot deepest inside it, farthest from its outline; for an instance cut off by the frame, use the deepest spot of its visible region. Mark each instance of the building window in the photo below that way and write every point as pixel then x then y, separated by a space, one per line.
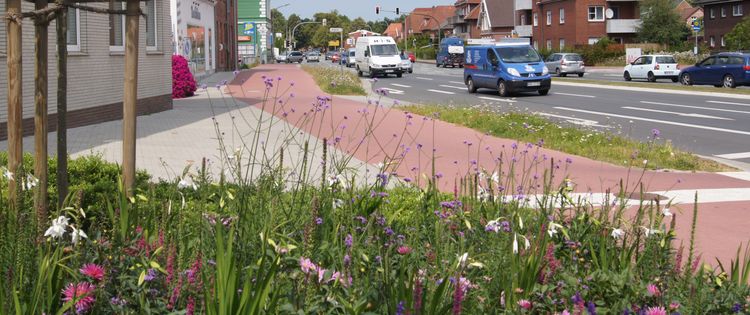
pixel 523 19
pixel 593 40
pixel 596 13
pixel 562 43
pixel 549 44
pixel 74 29
pixel 536 20
pixel 562 16
pixel 549 17
pixel 737 10
pixel 711 13
pixel 615 13
pixel 722 41
pixel 151 29
pixel 116 27
pixel 723 12
pixel 711 41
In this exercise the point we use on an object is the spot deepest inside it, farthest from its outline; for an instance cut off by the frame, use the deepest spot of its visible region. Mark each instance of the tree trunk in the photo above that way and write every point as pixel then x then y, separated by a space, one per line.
pixel 130 96
pixel 15 98
pixel 62 106
pixel 40 114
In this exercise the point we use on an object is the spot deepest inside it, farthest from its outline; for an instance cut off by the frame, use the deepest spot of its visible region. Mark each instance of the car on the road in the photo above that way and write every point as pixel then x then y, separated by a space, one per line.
pixel 451 53
pixel 507 68
pixel 377 55
pixel 724 69
pixel 335 58
pixel 349 57
pixel 412 57
pixel 281 58
pixel 406 65
pixel 330 54
pixel 651 68
pixel 313 56
pixel 294 56
pixel 563 64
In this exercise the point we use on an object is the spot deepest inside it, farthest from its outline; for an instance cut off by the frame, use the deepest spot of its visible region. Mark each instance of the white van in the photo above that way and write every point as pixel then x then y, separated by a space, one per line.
pixel 377 55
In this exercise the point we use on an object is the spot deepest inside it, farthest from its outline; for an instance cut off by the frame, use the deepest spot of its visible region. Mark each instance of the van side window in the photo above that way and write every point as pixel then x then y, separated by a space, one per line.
pixel 492 57
pixel 367 51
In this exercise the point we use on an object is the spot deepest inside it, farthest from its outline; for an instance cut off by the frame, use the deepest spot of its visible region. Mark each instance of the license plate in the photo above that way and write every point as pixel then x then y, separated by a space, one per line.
pixel 668 72
pixel 534 84
pixel 388 71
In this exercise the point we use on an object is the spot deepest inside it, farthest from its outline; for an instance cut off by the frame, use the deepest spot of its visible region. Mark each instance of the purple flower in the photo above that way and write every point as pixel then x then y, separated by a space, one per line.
pixel 150 275
pixel 737 307
pixel 318 220
pixel 568 160
pixel 655 133
pixel 400 308
pixel 347 260
pixel 349 240
pixel 591 307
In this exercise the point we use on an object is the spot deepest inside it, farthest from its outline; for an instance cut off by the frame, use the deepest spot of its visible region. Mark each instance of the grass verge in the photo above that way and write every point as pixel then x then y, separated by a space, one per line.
pixel 597 145
pixel 333 81
pixel 673 87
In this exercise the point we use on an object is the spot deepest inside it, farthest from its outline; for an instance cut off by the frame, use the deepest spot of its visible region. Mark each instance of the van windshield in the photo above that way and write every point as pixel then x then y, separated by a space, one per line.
pixel 384 50
pixel 518 54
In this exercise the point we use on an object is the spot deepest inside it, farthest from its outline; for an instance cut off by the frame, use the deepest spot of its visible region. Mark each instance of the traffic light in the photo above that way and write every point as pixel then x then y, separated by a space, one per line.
pixel 397 11
pixel 377 9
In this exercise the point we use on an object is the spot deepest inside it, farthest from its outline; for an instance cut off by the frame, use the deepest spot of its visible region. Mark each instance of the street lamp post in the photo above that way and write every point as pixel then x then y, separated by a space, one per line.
pixel 303 23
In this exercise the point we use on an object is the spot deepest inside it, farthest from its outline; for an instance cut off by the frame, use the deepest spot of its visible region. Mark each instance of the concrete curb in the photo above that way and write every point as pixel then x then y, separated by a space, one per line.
pixel 652 90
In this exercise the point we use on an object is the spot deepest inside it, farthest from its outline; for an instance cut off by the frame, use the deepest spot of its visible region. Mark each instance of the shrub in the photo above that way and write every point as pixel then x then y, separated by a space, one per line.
pixel 183 83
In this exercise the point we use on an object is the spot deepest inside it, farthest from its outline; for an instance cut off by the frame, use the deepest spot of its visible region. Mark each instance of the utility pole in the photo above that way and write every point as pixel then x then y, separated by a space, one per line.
pixel 130 97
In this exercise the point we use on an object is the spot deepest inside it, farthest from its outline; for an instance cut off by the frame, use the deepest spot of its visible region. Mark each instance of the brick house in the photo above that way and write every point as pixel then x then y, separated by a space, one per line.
pixel 428 21
pixel 496 18
pixel 395 30
pixel 566 23
pixel 720 17
pixel 96 61
pixel 464 19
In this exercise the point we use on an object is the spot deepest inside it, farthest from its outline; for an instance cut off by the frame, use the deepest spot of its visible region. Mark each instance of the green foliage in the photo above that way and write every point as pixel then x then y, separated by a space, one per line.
pixel 739 37
pixel 333 81
pixel 661 23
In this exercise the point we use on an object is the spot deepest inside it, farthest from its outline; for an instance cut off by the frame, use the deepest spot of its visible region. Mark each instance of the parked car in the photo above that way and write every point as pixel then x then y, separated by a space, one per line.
pixel 563 64
pixel 294 56
pixel 507 68
pixel 350 59
pixel 406 65
pixel 330 54
pixel 313 56
pixel 652 67
pixel 281 58
pixel 451 53
pixel 724 69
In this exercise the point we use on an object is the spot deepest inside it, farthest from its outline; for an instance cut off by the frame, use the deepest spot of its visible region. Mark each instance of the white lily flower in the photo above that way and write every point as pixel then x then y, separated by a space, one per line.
pixel 666 212
pixel 495 177
pixel 338 203
pixel 30 182
pixel 552 230
pixel 520 223
pixel 648 232
pixel 526 243
pixel 617 233
pixel 8 174
pixel 462 259
pixel 186 183
pixel 57 230
pixel 515 243
pixel 77 235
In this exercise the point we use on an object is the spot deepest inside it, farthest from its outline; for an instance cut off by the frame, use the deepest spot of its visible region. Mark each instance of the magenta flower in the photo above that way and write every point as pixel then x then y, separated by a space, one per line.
pixel 656 310
pixel 306 265
pixel 81 294
pixel 653 290
pixel 524 304
pixel 93 271
pixel 403 250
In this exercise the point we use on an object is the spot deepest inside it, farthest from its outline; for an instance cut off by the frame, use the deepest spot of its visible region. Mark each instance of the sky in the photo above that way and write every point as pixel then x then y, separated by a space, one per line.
pixel 353 8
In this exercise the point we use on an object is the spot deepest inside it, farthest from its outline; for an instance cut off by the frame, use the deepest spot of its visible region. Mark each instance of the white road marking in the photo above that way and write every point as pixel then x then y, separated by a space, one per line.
pixel 423 78
pixel 666 122
pixel 694 115
pixel 453 87
pixel 697 107
pixel 393 91
pixel 687 196
pixel 575 120
pixel 456 82
pixel 734 156
pixel 401 85
pixel 439 91
pixel 728 103
pixel 578 95
pixel 737 175
pixel 497 99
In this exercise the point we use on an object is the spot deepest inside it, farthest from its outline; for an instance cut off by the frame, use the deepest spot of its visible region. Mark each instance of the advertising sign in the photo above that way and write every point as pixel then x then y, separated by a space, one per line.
pixel 246 32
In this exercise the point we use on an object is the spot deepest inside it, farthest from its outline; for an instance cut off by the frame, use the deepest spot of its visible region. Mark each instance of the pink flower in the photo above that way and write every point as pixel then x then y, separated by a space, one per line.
pixel 306 265
pixel 82 295
pixel 93 271
pixel 525 304
pixel 565 312
pixel 321 273
pixel 674 306
pixel 653 290
pixel 656 310
pixel 403 250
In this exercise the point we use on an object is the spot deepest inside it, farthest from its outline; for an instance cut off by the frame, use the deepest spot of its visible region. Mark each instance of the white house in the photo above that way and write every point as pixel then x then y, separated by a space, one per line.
pixel 194 29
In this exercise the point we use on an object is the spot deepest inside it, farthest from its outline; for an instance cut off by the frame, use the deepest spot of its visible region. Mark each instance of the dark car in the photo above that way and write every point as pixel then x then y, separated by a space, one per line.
pixel 295 56
pixel 724 69
pixel 329 54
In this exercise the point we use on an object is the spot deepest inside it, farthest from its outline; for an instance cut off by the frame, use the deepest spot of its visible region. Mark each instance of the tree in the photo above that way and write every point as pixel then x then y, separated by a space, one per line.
pixel 278 25
pixel 661 24
pixel 739 37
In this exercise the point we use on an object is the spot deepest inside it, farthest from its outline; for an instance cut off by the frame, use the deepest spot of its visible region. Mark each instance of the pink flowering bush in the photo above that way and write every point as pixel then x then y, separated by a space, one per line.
pixel 183 83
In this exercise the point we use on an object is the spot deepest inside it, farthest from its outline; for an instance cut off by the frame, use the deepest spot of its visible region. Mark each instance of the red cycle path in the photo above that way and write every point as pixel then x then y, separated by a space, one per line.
pixel 410 139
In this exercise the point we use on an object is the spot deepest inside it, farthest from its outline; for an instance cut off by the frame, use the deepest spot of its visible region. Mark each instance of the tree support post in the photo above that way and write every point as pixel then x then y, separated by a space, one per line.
pixel 62 106
pixel 15 96
pixel 40 112
pixel 130 96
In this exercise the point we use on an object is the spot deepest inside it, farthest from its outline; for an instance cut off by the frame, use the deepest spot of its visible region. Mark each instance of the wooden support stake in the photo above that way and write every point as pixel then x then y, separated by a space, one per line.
pixel 40 113
pixel 62 106
pixel 130 96
pixel 15 97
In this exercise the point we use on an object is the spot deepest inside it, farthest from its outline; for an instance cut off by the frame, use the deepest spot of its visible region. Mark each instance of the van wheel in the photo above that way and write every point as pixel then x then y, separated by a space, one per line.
pixel 729 81
pixel 543 92
pixel 580 75
pixel 398 75
pixel 437 64
pixel 470 85
pixel 372 73
pixel 502 88
pixel 651 77
pixel 675 80
pixel 359 72
pixel 626 76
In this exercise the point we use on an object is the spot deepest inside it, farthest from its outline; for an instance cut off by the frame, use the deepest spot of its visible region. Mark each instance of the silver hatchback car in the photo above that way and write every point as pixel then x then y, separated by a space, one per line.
pixel 563 64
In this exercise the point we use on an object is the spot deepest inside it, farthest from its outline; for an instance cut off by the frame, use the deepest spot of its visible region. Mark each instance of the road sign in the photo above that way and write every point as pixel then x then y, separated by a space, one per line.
pixel 333 43
pixel 336 30
pixel 696 24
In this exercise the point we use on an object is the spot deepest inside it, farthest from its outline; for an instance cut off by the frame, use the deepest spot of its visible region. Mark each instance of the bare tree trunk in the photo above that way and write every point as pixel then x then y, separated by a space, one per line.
pixel 130 96
pixel 62 106
pixel 40 114
pixel 15 97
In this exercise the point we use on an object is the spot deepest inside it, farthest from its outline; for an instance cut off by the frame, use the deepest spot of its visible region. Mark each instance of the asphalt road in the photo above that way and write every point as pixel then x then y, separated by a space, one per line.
pixel 704 124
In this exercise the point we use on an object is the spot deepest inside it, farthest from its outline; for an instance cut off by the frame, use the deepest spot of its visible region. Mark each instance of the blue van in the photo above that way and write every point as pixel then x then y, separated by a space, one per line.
pixel 507 68
pixel 451 53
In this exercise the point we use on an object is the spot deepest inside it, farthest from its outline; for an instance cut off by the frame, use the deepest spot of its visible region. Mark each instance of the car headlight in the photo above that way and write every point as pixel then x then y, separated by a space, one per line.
pixel 514 72
pixel 545 70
